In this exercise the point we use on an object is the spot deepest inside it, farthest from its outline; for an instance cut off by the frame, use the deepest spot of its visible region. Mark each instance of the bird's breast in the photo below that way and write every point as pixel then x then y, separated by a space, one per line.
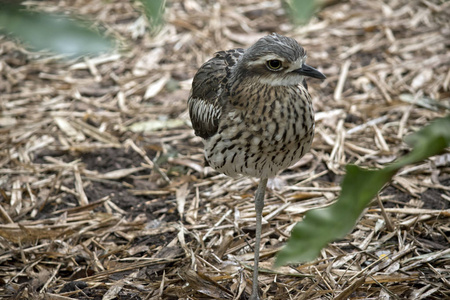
pixel 263 135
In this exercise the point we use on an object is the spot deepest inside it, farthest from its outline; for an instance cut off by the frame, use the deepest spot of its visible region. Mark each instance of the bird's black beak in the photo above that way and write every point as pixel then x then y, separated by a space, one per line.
pixel 309 71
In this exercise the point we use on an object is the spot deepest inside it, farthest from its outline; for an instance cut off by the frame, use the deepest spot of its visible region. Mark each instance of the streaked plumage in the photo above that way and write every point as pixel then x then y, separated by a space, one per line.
pixel 254 112
pixel 205 102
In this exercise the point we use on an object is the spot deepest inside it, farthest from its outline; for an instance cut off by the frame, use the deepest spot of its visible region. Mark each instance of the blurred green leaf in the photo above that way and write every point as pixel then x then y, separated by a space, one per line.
pixel 154 10
pixel 302 10
pixel 428 141
pixel 55 33
pixel 321 226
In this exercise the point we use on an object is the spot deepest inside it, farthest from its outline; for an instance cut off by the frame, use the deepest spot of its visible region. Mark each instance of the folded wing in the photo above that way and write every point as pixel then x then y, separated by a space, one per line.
pixel 207 100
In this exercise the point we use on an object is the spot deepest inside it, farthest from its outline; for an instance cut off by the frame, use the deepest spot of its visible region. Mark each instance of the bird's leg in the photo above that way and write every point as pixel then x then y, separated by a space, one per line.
pixel 259 205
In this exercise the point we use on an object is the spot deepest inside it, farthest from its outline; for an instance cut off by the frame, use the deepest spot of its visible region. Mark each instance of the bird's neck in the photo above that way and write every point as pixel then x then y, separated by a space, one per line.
pixel 254 85
pixel 248 95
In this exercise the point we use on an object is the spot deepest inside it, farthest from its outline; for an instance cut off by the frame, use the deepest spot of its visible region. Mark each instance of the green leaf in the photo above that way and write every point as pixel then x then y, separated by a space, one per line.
pixel 429 141
pixel 154 10
pixel 302 10
pixel 321 226
pixel 56 33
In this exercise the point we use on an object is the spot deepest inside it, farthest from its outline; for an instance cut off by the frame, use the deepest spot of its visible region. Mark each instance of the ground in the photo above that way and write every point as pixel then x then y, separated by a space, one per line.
pixel 103 190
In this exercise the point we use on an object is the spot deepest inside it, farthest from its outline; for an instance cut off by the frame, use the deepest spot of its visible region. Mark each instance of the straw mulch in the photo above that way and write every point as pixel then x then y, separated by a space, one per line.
pixel 95 207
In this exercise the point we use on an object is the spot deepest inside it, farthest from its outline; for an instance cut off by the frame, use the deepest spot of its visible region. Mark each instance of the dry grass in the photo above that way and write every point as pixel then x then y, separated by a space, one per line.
pixel 93 208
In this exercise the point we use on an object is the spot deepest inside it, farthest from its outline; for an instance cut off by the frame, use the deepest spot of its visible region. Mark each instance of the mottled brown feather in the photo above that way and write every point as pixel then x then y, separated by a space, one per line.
pixel 206 101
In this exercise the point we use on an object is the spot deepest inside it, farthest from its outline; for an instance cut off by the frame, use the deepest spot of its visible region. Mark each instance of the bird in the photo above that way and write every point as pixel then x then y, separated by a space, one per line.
pixel 254 114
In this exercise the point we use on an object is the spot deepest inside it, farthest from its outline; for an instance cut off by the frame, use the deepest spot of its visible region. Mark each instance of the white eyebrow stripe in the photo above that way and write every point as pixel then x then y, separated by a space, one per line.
pixel 265 58
pixel 297 64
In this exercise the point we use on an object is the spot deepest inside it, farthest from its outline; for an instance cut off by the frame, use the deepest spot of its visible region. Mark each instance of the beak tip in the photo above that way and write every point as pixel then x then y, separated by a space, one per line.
pixel 309 71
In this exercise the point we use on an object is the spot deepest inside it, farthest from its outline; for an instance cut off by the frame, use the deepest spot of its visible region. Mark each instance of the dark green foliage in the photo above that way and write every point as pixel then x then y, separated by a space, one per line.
pixel 321 226
pixel 52 32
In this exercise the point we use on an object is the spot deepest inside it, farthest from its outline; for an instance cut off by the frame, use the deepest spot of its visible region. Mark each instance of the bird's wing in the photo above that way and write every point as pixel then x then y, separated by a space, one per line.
pixel 205 105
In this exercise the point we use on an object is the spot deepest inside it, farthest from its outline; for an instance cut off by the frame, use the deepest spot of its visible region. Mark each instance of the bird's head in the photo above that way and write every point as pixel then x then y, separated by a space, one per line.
pixel 276 60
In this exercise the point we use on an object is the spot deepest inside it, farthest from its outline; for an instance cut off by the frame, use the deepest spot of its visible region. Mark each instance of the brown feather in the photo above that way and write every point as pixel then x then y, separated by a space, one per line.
pixel 206 100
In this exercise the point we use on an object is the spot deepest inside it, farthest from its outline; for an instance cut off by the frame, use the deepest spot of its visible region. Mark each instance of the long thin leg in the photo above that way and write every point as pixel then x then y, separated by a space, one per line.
pixel 259 205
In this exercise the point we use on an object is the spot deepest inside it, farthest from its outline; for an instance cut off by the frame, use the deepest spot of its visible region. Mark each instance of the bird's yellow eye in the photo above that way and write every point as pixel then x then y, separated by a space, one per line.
pixel 274 64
